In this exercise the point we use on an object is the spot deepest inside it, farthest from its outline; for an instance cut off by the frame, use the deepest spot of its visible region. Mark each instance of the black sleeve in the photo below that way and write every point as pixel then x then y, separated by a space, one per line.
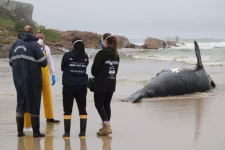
pixel 97 64
pixel 63 62
pixel 40 57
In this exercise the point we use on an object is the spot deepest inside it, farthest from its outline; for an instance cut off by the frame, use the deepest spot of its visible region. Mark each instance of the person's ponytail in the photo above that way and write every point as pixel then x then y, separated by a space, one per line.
pixel 78 47
pixel 115 44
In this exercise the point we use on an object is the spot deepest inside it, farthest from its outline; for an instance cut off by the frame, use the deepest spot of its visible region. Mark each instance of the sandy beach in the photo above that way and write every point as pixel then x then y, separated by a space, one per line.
pixel 151 36
pixel 153 124
pixel 173 123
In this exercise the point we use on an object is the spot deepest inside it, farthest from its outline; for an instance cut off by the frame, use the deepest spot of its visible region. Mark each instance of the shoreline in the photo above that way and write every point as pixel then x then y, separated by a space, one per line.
pixel 171 124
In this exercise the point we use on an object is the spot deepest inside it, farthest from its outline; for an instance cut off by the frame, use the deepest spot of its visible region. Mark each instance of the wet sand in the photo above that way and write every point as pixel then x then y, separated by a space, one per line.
pixel 151 124
pixel 191 122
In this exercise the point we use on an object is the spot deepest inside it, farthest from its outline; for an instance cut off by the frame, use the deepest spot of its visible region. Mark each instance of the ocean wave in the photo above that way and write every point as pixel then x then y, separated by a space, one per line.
pixel 192 61
pixel 154 57
pixel 189 60
pixel 210 45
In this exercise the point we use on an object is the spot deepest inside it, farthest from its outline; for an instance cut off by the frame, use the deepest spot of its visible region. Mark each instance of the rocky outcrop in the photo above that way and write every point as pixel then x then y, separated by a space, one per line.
pixel 123 42
pixel 7 41
pixel 22 11
pixel 18 11
pixel 153 43
pixel 91 40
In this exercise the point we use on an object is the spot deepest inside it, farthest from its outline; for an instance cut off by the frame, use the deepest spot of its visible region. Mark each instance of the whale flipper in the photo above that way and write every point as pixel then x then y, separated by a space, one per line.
pixel 135 97
pixel 198 55
pixel 139 95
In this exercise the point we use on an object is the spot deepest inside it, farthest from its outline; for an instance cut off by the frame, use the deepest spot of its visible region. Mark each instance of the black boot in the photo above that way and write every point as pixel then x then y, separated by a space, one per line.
pixel 67 123
pixel 83 124
pixel 35 121
pixel 52 121
pixel 20 124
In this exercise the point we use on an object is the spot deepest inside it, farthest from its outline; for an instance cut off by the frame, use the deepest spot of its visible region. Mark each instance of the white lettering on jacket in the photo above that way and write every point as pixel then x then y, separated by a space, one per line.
pixel 112 62
pixel 18 47
pixel 76 64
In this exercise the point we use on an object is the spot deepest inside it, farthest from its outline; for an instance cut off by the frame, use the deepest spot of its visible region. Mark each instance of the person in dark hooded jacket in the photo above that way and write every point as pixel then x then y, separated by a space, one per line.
pixel 104 69
pixel 26 60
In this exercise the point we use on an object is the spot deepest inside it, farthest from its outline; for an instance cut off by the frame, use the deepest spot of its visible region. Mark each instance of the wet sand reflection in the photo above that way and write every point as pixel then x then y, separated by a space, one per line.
pixel 174 124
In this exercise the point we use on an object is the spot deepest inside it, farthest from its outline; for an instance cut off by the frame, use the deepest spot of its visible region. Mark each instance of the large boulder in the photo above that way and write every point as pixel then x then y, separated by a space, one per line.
pixel 90 39
pixel 123 42
pixel 153 43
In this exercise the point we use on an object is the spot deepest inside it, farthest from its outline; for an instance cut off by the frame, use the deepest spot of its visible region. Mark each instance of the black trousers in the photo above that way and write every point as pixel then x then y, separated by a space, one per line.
pixel 102 104
pixel 71 92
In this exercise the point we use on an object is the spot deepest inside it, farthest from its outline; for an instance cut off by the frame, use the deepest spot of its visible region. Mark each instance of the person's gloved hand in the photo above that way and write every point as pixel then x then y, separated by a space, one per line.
pixel 53 80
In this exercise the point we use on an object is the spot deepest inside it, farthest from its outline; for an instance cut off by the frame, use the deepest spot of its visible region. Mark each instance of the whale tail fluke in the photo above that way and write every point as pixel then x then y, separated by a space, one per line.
pixel 198 55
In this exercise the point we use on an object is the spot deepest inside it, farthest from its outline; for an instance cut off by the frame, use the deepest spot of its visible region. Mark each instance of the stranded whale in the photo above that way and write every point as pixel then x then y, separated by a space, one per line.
pixel 176 81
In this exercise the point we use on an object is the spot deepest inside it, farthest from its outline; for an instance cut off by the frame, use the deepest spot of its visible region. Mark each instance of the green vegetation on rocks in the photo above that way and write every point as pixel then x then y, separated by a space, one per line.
pixel 6 23
pixel 51 34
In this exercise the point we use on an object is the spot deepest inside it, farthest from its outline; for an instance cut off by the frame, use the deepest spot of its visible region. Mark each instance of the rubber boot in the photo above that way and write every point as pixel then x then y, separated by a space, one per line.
pixel 83 125
pixel 20 125
pixel 67 124
pixel 106 129
pixel 35 121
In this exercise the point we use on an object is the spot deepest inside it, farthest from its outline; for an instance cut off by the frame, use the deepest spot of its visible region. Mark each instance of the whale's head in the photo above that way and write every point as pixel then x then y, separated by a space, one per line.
pixel 212 83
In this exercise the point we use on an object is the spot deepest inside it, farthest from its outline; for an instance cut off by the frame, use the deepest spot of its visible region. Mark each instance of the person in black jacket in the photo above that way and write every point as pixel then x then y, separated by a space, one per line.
pixel 104 69
pixel 26 60
pixel 75 80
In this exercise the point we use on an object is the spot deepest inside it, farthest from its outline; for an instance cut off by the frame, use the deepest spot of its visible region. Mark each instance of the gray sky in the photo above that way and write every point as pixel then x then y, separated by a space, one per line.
pixel 135 18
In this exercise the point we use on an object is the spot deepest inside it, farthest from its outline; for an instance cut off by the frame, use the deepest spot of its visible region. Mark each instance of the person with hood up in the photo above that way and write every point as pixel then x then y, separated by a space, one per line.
pixel 26 60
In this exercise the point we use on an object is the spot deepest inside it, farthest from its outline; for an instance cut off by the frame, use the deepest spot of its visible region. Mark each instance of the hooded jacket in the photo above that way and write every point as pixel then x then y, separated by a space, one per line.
pixel 26 60
pixel 104 69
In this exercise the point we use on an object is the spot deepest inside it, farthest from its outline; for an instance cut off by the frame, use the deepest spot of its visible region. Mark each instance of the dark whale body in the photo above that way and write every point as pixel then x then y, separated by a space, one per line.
pixel 176 81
